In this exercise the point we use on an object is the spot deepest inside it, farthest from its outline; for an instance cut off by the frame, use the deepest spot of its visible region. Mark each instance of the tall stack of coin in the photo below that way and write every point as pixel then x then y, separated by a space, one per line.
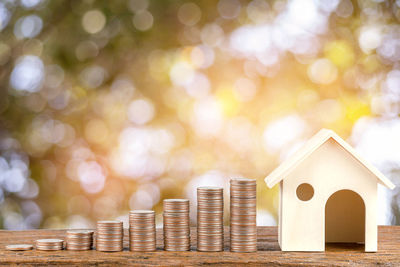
pixel 210 219
pixel 49 244
pixel 142 230
pixel 109 236
pixel 243 225
pixel 176 225
pixel 79 239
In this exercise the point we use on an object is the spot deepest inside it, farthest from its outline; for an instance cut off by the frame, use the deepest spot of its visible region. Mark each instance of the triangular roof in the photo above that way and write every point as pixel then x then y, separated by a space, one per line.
pixel 309 147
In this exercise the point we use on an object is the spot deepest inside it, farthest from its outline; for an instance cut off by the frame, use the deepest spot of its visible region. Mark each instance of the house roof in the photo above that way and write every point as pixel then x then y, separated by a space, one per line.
pixel 309 147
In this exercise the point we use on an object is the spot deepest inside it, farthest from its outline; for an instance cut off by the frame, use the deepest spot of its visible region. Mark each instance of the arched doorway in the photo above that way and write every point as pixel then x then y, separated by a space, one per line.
pixel 345 218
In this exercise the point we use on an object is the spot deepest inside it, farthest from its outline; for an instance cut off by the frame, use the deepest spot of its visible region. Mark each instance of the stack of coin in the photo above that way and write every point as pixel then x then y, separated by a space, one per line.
pixel 142 230
pixel 109 236
pixel 176 225
pixel 49 244
pixel 79 239
pixel 243 225
pixel 210 219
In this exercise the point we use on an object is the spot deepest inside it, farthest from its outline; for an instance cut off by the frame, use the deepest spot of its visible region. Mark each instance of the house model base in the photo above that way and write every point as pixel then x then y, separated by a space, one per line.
pixel 328 193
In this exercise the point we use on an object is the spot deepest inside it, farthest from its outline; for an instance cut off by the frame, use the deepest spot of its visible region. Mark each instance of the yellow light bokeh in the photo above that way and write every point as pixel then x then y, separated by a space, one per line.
pixel 229 103
pixel 341 53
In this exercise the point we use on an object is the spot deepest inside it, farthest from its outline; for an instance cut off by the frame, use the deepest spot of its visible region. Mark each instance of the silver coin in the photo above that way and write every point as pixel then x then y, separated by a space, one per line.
pixel 243 215
pixel 19 247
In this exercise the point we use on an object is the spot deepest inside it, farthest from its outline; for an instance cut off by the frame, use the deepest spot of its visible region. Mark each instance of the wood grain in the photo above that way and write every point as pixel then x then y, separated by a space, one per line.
pixel 268 252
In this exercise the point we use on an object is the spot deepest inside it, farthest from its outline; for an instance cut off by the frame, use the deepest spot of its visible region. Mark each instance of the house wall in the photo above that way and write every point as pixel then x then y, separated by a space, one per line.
pixel 329 169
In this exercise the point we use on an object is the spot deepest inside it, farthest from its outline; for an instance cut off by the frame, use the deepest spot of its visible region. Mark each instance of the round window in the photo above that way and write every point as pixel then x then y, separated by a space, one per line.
pixel 305 192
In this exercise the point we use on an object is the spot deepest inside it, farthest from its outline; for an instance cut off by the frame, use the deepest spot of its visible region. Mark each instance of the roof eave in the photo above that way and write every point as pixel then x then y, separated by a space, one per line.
pixel 279 173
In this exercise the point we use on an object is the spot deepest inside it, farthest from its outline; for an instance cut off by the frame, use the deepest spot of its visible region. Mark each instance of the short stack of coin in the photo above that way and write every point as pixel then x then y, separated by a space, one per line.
pixel 210 219
pixel 79 240
pixel 19 247
pixel 243 225
pixel 109 236
pixel 49 244
pixel 142 230
pixel 176 225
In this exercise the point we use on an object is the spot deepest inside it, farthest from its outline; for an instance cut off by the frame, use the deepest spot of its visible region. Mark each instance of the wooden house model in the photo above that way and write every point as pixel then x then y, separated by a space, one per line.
pixel 328 193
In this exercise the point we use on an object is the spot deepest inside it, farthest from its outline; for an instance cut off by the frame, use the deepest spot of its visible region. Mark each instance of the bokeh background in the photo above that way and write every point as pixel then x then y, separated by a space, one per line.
pixel 108 106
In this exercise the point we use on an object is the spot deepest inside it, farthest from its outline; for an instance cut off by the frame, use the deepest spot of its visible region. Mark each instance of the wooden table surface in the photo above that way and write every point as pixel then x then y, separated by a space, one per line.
pixel 268 252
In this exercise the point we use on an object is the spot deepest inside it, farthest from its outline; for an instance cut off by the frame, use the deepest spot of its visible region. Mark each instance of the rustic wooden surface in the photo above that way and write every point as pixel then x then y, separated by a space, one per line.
pixel 268 252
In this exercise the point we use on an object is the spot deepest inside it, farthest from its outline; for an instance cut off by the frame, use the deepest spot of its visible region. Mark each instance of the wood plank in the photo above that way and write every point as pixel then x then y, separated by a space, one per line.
pixel 269 252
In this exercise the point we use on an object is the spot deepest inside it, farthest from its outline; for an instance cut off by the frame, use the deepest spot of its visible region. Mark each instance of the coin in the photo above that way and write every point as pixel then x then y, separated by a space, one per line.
pixel 142 230
pixel 176 225
pixel 79 239
pixel 210 219
pixel 49 244
pixel 19 247
pixel 243 220
pixel 109 236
